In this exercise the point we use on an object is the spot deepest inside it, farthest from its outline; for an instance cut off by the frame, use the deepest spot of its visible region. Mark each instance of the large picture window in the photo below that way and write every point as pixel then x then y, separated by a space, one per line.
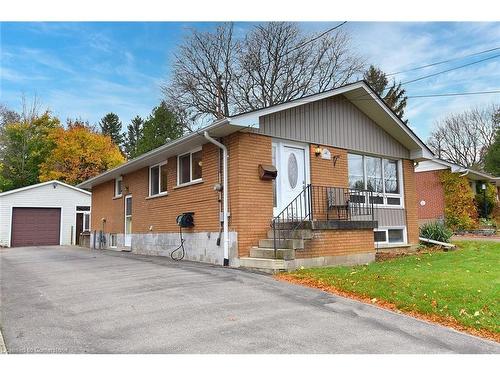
pixel 158 179
pixel 189 167
pixel 381 176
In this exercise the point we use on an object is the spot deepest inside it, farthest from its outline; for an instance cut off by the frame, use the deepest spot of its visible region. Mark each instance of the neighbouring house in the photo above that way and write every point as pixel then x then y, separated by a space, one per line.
pixel 325 179
pixel 49 213
pixel 430 191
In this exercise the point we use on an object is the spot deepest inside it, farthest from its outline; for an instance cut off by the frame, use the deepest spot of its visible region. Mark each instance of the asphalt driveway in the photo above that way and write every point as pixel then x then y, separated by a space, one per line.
pixel 72 300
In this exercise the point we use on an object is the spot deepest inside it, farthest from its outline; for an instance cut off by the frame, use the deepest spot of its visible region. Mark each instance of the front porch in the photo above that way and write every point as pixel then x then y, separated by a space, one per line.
pixel 321 226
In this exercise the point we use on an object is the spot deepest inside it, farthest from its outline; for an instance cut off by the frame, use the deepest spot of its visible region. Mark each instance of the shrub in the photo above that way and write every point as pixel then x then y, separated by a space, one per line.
pixel 435 231
pixel 459 206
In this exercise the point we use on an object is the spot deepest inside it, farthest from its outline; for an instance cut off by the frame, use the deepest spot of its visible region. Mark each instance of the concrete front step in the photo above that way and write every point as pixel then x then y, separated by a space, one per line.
pixel 300 234
pixel 268 253
pixel 264 265
pixel 283 243
pixel 294 224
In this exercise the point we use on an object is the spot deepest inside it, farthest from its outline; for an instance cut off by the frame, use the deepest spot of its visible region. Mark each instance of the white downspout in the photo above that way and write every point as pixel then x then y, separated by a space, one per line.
pixel 225 191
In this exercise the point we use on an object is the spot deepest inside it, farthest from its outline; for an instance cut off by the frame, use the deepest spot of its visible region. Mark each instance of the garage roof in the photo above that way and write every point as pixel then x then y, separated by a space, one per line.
pixel 42 184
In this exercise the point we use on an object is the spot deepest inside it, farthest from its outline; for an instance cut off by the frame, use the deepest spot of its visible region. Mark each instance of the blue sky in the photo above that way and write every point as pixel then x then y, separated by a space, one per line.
pixel 88 69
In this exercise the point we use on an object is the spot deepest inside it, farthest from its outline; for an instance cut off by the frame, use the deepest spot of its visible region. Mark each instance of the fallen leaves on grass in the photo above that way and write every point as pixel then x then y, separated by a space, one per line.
pixel 448 321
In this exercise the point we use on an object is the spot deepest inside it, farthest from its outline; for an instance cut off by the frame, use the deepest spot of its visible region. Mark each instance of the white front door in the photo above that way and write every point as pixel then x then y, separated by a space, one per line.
pixel 128 220
pixel 292 161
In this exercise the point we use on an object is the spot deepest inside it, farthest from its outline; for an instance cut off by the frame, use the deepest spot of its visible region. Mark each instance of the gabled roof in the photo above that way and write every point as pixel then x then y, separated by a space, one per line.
pixel 436 164
pixel 43 184
pixel 359 93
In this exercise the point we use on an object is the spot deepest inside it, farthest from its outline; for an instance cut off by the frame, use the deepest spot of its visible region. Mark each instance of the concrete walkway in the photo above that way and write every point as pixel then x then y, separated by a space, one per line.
pixel 472 238
pixel 70 300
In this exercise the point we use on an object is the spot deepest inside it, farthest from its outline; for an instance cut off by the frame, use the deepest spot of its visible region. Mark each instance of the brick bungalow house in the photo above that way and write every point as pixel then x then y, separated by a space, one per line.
pixel 344 187
pixel 430 192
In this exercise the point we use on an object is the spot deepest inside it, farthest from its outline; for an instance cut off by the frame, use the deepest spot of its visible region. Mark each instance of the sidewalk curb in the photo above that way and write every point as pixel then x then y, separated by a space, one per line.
pixel 3 349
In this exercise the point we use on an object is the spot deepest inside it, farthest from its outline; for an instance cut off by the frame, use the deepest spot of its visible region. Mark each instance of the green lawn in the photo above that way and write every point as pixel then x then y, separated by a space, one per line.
pixel 463 284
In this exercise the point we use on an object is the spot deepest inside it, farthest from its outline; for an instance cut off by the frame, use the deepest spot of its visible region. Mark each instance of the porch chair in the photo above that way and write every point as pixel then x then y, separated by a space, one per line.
pixel 338 202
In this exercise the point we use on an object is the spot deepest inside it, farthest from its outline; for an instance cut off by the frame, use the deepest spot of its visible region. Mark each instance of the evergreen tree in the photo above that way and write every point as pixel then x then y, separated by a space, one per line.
pixel 492 157
pixel 395 97
pixel 112 126
pixel 161 127
pixel 134 133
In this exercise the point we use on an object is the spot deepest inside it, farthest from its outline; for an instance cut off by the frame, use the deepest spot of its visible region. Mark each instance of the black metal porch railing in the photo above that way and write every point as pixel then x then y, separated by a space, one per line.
pixel 322 203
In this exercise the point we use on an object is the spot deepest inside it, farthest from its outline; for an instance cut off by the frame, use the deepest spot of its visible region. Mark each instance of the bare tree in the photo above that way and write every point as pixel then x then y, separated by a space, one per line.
pixel 465 137
pixel 277 64
pixel 202 74
pixel 8 116
pixel 273 63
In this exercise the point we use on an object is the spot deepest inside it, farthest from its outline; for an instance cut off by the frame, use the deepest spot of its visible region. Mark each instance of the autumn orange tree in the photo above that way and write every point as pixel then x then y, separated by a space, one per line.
pixel 80 153
pixel 459 206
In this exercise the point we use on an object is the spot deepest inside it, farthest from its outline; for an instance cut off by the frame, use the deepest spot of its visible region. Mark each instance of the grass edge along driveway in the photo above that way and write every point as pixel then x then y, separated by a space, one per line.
pixel 456 288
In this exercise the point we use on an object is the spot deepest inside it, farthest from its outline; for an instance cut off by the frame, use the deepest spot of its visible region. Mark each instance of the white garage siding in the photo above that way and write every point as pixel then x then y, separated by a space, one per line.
pixel 62 196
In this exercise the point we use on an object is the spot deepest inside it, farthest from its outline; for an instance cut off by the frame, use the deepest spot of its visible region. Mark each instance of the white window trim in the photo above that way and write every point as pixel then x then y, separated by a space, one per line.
pixel 116 241
pixel 159 165
pixel 87 213
pixel 386 243
pixel 116 187
pixel 191 181
pixel 383 193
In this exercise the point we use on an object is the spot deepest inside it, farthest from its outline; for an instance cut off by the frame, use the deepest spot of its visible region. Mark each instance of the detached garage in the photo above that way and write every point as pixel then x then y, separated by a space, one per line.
pixel 49 213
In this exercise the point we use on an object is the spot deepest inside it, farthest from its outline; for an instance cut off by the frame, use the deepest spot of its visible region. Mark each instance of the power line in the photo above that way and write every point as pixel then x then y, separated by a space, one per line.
pixel 438 95
pixel 302 44
pixel 443 61
pixel 314 39
pixel 434 74
pixel 449 70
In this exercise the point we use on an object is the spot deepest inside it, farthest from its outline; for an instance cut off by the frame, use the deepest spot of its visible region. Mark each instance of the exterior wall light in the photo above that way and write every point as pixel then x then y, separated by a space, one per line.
pixel 318 150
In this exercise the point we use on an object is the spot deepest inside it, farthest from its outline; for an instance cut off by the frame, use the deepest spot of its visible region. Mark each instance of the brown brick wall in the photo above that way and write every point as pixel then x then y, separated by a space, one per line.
pixel 251 199
pixel 104 206
pixel 410 195
pixel 430 189
pixel 160 212
pixel 324 173
pixel 338 242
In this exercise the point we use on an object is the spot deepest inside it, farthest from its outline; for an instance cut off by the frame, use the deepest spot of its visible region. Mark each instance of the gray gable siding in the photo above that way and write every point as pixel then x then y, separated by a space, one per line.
pixel 390 217
pixel 334 122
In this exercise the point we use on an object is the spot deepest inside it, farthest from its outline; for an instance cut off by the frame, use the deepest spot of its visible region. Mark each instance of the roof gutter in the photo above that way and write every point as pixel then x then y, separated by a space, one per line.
pixel 225 194
pixel 152 153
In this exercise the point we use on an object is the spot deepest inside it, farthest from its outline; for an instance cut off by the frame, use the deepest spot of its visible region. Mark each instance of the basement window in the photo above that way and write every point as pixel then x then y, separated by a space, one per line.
pixel 396 235
pixel 389 236
pixel 158 179
pixel 189 167
pixel 380 236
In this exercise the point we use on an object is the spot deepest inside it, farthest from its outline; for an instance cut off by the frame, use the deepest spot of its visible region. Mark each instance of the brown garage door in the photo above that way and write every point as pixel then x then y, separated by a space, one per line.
pixel 35 226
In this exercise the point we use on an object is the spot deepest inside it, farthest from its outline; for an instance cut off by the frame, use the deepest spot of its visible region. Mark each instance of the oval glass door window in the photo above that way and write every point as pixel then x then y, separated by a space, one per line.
pixel 293 170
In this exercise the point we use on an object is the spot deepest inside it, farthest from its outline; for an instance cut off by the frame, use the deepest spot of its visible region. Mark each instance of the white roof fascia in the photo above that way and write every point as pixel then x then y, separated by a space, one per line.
pixel 43 184
pixel 155 152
